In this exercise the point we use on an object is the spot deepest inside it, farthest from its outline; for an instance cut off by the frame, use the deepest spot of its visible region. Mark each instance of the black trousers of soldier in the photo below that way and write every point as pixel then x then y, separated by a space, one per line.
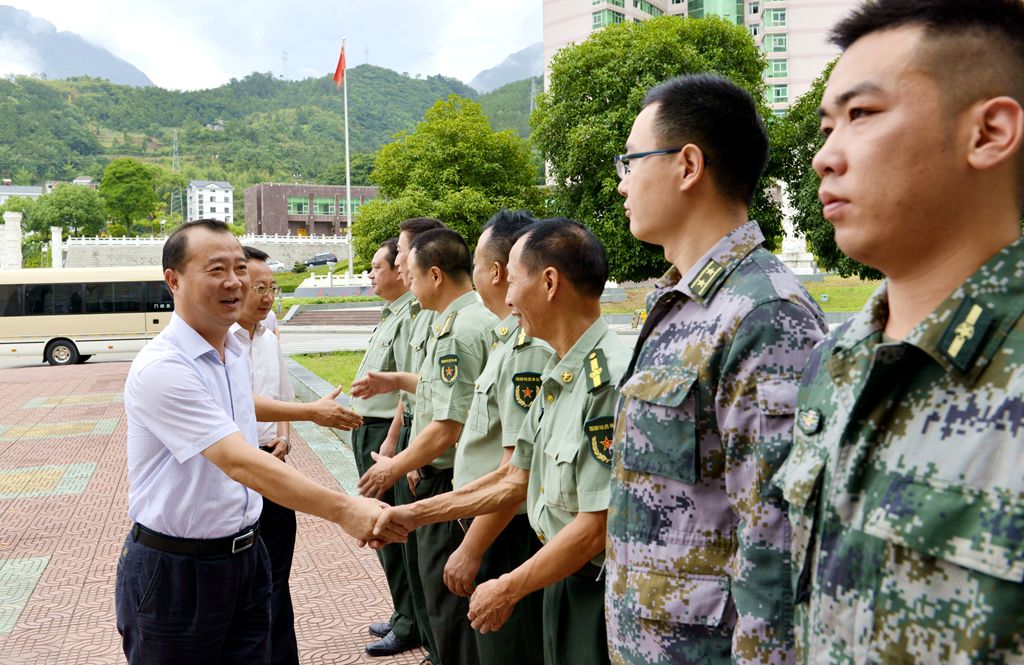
pixel 410 552
pixel 575 632
pixel 456 644
pixel 277 529
pixel 365 440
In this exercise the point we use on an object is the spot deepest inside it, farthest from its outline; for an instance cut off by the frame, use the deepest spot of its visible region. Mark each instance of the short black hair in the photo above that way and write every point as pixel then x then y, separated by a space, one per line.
pixel 418 225
pixel 175 254
pixel 571 249
pixel 506 227
pixel 721 119
pixel 973 49
pixel 445 249
pixel 391 245
pixel 251 253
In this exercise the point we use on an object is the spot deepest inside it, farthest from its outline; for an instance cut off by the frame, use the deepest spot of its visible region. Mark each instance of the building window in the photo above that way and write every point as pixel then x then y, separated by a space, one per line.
pixel 778 69
pixel 775 43
pixel 617 3
pixel 646 7
pixel 695 9
pixel 355 207
pixel 775 18
pixel 212 209
pixel 755 29
pixel 323 206
pixel 607 17
pixel 754 8
pixel 298 205
pixel 780 94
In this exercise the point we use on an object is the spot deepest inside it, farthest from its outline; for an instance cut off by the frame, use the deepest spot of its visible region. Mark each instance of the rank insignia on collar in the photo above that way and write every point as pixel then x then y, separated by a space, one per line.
pixel 809 421
pixel 567 377
pixel 503 331
pixel 596 369
pixel 449 369
pixel 526 387
pixel 962 340
pixel 706 278
pixel 600 433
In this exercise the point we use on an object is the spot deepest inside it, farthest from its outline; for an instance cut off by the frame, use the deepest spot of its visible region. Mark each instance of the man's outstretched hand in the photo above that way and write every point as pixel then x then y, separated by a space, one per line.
pixel 326 412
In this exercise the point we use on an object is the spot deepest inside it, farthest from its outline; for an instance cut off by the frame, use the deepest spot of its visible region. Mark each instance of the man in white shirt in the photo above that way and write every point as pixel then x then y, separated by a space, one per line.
pixel 271 380
pixel 193 578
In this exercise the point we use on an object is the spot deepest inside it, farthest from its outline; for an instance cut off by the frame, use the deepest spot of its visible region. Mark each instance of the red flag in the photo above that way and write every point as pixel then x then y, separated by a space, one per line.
pixel 339 73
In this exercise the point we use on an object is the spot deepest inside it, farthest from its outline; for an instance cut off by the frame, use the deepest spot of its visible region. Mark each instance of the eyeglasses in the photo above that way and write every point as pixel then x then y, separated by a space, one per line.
pixel 262 290
pixel 622 161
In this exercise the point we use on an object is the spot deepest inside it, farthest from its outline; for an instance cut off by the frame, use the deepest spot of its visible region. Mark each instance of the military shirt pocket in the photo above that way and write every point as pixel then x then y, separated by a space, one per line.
pixel 559 483
pixel 776 401
pixel 661 428
pixel 980 530
pixel 479 410
pixel 686 599
pixel 800 480
pixel 378 354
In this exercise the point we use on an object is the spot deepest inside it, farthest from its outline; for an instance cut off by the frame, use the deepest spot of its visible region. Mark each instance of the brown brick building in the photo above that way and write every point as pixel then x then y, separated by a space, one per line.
pixel 301 209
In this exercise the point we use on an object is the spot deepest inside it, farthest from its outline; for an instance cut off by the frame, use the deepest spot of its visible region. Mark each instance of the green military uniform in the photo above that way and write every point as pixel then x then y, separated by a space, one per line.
pixel 565 443
pixel 905 482
pixel 410 348
pixel 503 395
pixel 456 353
pixel 378 412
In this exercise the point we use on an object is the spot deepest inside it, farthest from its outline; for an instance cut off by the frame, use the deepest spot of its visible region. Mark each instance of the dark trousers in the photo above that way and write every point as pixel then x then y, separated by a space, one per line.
pixel 277 529
pixel 178 608
pixel 575 632
pixel 516 642
pixel 410 552
pixel 456 644
pixel 365 440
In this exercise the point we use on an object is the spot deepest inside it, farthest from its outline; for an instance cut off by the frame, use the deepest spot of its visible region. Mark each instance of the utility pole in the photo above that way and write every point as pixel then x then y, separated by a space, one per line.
pixel 176 202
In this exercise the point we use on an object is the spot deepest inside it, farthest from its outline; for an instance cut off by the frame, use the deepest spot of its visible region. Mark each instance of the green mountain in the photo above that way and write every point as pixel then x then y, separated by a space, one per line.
pixel 257 129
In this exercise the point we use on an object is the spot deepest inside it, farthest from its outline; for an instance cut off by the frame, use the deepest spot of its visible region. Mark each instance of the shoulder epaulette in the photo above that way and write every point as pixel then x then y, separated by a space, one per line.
pixel 707 277
pixel 522 340
pixel 444 329
pixel 596 370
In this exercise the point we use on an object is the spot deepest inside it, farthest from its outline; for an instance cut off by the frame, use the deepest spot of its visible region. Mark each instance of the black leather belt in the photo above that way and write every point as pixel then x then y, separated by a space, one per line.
pixel 431 471
pixel 589 571
pixel 373 420
pixel 197 547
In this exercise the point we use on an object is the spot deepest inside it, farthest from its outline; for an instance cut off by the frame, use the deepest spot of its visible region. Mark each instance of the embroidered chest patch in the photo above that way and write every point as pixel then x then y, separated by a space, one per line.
pixel 449 369
pixel 600 432
pixel 526 386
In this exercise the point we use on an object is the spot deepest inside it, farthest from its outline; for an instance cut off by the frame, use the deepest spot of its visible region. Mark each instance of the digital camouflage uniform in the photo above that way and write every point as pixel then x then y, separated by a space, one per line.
pixel 410 347
pixel 698 549
pixel 565 443
pixel 378 412
pixel 456 352
pixel 504 393
pixel 906 482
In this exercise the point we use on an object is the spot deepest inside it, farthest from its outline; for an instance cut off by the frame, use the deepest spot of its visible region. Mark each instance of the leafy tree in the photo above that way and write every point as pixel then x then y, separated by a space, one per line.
pixel 596 89
pixel 129 194
pixel 453 167
pixel 77 210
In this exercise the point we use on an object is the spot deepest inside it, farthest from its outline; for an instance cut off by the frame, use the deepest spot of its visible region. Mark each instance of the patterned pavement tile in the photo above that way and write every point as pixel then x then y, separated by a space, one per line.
pixel 63 518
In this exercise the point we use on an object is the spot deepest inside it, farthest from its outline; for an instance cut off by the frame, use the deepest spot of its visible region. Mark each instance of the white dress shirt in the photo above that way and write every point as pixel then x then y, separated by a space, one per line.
pixel 269 373
pixel 180 399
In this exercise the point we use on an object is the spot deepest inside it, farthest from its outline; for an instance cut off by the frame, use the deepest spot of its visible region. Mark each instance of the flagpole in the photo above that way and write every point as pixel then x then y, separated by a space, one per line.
pixel 348 173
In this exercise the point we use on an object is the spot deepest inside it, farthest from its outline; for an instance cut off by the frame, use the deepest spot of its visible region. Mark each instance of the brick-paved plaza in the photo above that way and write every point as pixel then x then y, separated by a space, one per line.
pixel 63 517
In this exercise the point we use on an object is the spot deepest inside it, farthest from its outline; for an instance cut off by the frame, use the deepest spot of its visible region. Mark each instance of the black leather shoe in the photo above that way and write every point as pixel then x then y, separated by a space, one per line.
pixel 390 645
pixel 380 629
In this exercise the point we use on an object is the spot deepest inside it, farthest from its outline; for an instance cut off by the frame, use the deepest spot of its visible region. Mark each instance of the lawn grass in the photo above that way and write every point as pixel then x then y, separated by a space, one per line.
pixel 289 281
pixel 286 303
pixel 635 299
pixel 845 294
pixel 337 368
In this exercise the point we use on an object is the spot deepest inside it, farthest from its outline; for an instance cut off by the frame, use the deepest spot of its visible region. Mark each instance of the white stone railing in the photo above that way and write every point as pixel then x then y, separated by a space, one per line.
pixel 246 239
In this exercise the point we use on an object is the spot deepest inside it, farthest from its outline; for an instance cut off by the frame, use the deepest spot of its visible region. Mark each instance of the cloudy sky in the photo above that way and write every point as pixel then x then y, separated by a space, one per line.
pixel 189 44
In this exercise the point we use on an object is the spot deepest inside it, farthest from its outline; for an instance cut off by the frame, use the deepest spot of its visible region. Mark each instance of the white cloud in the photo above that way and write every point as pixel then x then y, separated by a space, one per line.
pixel 16 57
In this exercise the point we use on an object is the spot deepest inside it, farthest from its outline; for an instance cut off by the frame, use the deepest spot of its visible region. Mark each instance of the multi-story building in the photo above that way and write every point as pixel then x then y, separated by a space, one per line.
pixel 8 190
pixel 322 210
pixel 211 199
pixel 792 34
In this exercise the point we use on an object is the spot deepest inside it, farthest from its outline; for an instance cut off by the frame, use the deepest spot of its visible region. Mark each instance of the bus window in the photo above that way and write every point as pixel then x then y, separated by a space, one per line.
pixel 158 298
pixel 99 298
pixel 67 299
pixel 128 297
pixel 10 300
pixel 38 299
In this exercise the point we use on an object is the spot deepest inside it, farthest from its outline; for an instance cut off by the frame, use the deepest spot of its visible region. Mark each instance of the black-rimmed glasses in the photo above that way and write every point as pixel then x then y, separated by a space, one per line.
pixel 622 161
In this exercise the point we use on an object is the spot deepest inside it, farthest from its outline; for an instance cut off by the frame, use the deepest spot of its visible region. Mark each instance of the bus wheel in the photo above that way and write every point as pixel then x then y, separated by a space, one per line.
pixel 62 352
pixel 82 359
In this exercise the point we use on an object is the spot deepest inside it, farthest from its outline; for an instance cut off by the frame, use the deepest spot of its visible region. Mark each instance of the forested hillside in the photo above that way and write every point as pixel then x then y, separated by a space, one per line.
pixel 251 130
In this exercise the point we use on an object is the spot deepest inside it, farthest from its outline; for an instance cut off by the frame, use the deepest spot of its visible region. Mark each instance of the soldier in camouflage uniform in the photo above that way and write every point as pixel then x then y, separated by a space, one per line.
pixel 905 480
pixel 561 464
pixel 698 542
pixel 440 268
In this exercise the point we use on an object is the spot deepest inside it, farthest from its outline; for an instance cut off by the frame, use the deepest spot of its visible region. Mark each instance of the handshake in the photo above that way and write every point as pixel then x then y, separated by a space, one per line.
pixel 389 524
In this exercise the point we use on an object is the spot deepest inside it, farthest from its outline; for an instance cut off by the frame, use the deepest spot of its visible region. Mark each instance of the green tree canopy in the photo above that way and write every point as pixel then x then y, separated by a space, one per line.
pixel 453 167
pixel 595 92
pixel 78 211
pixel 128 189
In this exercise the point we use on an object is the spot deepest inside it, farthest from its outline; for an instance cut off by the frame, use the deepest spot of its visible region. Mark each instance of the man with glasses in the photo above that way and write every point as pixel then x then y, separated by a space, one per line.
pixel 698 548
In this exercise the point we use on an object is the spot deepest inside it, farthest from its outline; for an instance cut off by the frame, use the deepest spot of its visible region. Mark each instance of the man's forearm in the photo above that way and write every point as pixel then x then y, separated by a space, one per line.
pixel 271 410
pixel 437 437
pixel 501 489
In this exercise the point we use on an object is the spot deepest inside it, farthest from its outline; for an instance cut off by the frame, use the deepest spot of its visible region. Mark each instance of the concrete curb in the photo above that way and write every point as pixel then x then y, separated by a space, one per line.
pixel 333 447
